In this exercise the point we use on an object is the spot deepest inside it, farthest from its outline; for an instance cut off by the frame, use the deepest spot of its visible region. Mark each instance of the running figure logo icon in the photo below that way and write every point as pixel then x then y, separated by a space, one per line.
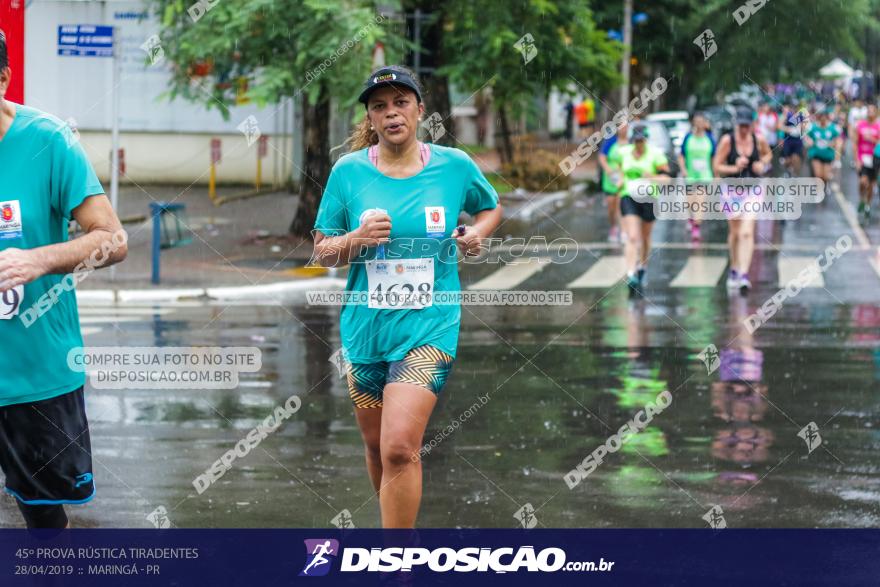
pixel 319 556
pixel 715 518
pixel 711 358
pixel 810 434
pixel 526 46
pixel 706 42
pixel 434 125
pixel 526 516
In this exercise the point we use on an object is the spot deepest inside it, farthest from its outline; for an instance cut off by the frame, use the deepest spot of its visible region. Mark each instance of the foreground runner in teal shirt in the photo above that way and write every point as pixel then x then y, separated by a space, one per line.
pixel 46 182
pixel 391 211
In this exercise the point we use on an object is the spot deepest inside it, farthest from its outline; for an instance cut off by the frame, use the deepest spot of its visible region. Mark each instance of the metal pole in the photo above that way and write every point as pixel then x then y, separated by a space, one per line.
pixel 627 51
pixel 417 34
pixel 114 133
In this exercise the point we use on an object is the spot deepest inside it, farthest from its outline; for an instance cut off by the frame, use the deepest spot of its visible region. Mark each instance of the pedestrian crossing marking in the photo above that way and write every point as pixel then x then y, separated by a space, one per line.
pixel 605 272
pixel 790 268
pixel 107 319
pixel 700 271
pixel 111 311
pixel 510 276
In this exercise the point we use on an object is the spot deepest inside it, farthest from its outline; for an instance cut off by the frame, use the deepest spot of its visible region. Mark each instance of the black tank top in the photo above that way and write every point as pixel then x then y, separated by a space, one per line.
pixel 732 156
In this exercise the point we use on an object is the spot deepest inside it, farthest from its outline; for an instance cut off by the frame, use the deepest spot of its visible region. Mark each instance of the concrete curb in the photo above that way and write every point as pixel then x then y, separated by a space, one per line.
pixel 270 293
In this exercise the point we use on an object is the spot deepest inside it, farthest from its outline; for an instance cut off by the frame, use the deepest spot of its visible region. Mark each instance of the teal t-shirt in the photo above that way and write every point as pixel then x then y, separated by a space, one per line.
pixel 45 176
pixel 823 142
pixel 424 211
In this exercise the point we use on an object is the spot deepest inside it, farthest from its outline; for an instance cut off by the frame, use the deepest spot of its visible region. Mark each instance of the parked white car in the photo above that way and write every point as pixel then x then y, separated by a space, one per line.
pixel 676 122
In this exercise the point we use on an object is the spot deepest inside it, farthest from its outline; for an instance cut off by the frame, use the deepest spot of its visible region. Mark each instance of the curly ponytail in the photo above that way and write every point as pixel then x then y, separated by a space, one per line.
pixel 362 136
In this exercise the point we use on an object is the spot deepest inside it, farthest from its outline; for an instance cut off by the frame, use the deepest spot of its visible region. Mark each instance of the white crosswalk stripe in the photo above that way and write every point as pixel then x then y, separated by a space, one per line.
pixel 510 276
pixel 604 273
pixel 96 319
pixel 700 271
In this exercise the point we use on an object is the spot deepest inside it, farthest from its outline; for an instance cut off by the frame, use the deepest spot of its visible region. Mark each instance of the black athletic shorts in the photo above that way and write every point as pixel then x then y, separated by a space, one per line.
pixel 870 172
pixel 46 452
pixel 644 210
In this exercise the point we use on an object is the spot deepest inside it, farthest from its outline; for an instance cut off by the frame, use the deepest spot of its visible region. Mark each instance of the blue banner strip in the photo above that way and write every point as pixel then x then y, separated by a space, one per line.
pixel 580 557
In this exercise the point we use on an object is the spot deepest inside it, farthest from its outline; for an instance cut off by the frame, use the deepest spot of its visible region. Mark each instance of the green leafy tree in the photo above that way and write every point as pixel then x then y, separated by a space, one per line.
pixel 783 40
pixel 308 50
pixel 480 47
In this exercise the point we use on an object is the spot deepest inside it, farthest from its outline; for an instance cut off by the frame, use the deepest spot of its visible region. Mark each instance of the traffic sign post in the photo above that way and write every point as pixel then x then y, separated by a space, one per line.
pixel 262 149
pixel 212 179
pixel 89 40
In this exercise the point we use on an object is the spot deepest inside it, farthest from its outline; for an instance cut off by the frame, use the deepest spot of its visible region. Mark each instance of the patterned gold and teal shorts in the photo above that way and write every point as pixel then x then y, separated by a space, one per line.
pixel 425 366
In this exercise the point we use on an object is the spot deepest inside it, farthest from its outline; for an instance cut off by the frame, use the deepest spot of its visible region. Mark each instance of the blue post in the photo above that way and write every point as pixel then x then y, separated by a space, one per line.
pixel 156 209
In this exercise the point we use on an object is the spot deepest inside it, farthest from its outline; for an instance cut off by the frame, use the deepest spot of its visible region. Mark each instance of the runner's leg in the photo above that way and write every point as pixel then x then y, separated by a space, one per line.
pixel 745 244
pixel 632 226
pixel 733 243
pixel 612 204
pixel 405 413
pixel 370 422
pixel 646 227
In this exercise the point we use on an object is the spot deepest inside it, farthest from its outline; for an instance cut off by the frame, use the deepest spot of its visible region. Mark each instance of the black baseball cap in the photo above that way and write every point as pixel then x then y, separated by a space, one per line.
pixel 639 132
pixel 744 116
pixel 389 76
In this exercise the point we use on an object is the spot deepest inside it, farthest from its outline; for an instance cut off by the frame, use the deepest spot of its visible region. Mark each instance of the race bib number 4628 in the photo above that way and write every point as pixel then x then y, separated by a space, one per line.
pixel 10 302
pixel 400 284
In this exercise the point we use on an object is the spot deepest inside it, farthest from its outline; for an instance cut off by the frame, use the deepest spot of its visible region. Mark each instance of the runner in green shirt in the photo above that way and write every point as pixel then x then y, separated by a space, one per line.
pixel 638 161
pixel 609 162
pixel 695 161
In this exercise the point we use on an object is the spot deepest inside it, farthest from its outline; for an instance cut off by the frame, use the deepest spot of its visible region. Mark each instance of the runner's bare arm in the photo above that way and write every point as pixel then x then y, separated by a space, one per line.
pixel 719 165
pixel 335 251
pixel 765 159
pixel 485 223
pixel 104 243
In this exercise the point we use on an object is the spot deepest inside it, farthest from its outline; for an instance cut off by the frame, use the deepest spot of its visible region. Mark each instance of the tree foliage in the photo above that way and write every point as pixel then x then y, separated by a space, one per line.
pixel 479 50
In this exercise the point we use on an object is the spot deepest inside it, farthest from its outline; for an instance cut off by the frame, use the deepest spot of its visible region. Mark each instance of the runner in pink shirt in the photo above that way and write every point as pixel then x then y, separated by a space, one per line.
pixel 867 136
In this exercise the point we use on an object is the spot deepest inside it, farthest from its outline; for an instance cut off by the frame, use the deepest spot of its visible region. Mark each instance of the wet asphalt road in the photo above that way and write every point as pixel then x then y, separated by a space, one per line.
pixel 560 381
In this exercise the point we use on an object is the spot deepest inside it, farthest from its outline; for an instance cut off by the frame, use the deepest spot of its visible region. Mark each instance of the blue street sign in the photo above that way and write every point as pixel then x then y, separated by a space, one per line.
pixel 85 40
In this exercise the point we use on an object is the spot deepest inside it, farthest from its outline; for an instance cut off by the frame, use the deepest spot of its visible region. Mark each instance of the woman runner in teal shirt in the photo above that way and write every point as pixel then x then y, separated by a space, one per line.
pixel 695 161
pixel 391 208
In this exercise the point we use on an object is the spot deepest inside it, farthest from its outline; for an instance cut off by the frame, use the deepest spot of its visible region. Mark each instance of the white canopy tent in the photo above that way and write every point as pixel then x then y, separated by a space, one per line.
pixel 837 68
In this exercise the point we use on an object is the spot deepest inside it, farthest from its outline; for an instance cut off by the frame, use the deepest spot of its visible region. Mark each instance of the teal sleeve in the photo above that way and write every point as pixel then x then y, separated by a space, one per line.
pixel 73 179
pixel 479 193
pixel 332 219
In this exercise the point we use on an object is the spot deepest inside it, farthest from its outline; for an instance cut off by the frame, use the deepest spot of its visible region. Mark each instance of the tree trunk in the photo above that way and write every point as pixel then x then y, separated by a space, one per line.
pixel 505 149
pixel 316 164
pixel 436 94
pixel 437 100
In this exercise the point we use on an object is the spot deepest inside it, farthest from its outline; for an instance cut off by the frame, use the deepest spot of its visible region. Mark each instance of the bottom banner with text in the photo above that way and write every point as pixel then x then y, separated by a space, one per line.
pixel 440 557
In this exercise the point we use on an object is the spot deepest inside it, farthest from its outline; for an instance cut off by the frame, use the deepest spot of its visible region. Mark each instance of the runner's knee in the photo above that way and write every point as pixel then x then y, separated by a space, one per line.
pixel 398 454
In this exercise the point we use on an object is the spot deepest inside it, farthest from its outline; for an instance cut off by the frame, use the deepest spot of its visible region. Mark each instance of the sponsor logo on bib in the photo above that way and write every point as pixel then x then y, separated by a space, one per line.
pixel 435 221
pixel 10 220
